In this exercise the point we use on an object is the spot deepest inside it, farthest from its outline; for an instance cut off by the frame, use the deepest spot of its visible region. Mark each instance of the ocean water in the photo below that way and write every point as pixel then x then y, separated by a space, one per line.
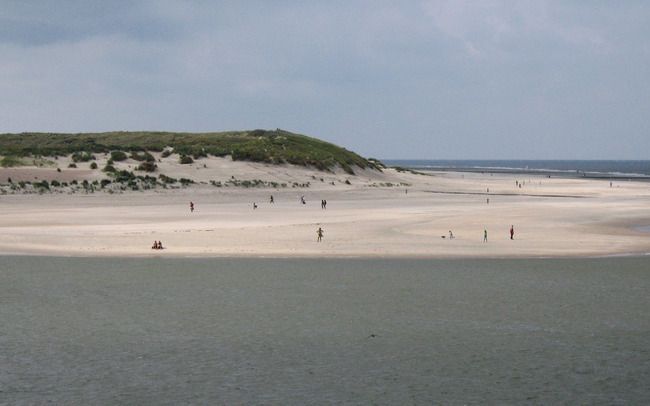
pixel 327 331
pixel 585 168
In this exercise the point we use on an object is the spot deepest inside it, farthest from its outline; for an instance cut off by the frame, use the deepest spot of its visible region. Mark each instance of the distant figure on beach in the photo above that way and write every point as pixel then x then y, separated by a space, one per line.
pixel 254 205
pixel 319 233
pixel 323 204
pixel 488 200
pixel 302 200
pixel 512 232
pixel 406 191
pixel 484 235
pixel 157 245
pixel 488 190
pixel 191 207
pixel 271 200
pixel 610 184
pixel 451 235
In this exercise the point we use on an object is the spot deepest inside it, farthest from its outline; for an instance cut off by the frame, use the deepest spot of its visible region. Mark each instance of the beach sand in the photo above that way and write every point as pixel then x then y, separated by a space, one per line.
pixel 389 214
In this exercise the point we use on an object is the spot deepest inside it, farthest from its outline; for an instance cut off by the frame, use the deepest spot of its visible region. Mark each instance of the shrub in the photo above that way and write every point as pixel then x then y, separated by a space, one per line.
pixel 185 159
pixel 9 161
pixel 105 182
pixel 185 181
pixel 147 167
pixel 143 156
pixel 200 154
pixel 72 165
pixel 42 185
pixel 93 165
pixel 118 156
pixel 109 168
pixel 166 153
pixel 82 157
pixel 55 183
pixel 124 176
pixel 166 179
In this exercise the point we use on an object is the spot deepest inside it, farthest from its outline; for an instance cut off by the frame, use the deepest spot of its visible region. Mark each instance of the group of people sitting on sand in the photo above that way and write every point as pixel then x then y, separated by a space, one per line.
pixel 157 245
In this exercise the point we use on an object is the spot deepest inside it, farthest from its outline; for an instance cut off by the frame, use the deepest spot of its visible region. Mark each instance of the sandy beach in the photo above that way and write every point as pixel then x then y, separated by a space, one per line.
pixel 370 214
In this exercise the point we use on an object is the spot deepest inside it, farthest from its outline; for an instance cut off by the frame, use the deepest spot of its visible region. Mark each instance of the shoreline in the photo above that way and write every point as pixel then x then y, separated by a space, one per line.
pixel 553 218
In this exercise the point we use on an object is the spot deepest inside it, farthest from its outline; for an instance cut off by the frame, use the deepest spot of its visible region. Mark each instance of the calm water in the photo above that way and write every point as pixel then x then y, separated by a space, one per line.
pixel 589 168
pixel 273 331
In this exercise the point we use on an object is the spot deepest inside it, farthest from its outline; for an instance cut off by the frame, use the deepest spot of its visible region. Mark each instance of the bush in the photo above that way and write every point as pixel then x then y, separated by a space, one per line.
pixel 200 154
pixel 118 156
pixel 147 167
pixel 109 168
pixel 124 176
pixel 185 159
pixel 55 183
pixel 82 157
pixel 9 161
pixel 105 182
pixel 143 156
pixel 93 165
pixel 166 153
pixel 72 165
pixel 166 179
pixel 42 185
pixel 185 181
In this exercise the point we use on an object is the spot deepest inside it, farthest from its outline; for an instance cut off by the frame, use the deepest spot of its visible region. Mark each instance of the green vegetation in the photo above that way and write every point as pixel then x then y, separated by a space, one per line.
pixel 275 146
pixel 147 166
pixel 82 156
pixel 142 156
pixel 9 161
pixel 118 156
pixel 184 160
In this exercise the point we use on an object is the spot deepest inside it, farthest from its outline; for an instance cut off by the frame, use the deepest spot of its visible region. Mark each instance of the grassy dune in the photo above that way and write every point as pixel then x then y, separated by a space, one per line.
pixel 270 146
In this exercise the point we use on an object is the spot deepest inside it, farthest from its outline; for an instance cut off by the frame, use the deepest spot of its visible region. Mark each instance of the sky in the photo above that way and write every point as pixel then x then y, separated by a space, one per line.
pixel 387 79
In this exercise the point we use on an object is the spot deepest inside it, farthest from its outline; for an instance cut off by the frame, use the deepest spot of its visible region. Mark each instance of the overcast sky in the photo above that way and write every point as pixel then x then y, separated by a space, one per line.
pixel 388 79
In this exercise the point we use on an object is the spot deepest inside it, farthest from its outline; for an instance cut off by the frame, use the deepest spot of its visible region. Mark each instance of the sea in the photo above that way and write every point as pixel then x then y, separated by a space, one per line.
pixel 222 331
pixel 601 169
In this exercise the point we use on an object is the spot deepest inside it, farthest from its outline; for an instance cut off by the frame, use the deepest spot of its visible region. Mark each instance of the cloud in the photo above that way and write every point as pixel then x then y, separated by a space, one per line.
pixel 430 79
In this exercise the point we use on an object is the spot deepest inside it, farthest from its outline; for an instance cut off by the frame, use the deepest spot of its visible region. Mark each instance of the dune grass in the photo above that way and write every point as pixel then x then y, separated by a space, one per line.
pixel 270 146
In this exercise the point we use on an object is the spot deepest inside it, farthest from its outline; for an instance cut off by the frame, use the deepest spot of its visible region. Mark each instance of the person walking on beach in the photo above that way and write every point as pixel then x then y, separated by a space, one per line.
pixel 451 235
pixel 484 235
pixel 319 233
pixel 512 232
pixel 271 200
pixel 191 207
